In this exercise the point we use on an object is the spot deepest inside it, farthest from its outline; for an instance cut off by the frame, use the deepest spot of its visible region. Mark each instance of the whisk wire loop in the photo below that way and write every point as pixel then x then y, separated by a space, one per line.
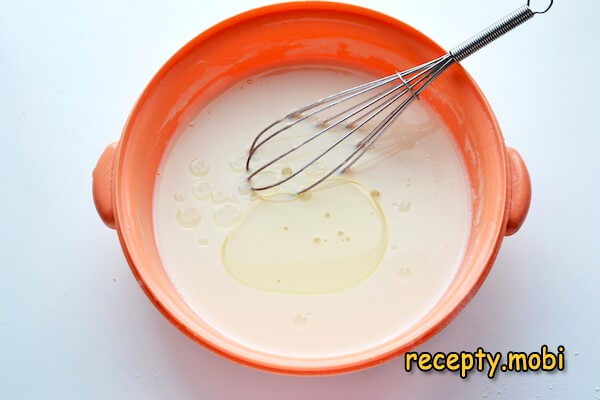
pixel 394 92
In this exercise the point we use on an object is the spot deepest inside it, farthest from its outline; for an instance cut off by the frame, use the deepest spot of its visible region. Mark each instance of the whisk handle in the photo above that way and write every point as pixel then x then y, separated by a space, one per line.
pixel 494 31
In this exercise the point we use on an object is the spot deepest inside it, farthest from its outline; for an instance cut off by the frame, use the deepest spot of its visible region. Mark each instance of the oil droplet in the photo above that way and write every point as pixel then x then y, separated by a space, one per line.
pixel 179 197
pixel 227 215
pixel 300 320
pixel 403 272
pixel 327 214
pixel 249 81
pixel 203 241
pixel 286 171
pixel 285 228
pixel 238 164
pixel 340 233
pixel 304 196
pixel 375 193
pixel 199 167
pixel 202 190
pixel 244 188
pixel 218 197
pixel 258 251
pixel 315 170
pixel 188 217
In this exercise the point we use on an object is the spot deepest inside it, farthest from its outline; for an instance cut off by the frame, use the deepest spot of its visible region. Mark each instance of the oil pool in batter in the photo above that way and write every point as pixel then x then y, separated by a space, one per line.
pixel 351 265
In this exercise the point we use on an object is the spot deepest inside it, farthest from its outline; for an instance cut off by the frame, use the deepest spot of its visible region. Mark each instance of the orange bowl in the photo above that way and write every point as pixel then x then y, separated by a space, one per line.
pixel 290 34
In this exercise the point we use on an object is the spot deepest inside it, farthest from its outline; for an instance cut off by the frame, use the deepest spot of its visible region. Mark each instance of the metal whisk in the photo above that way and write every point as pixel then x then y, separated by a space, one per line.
pixel 395 93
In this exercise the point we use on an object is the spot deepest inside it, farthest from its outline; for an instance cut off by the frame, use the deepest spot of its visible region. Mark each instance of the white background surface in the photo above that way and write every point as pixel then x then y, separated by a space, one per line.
pixel 75 324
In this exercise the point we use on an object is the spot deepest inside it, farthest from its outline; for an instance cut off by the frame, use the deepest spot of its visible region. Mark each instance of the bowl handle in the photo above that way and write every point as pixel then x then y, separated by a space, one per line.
pixel 102 181
pixel 520 194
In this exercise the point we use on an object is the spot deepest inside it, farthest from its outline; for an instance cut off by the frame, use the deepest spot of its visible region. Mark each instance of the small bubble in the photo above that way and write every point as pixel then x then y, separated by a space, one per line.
pixel 347 239
pixel 238 164
pixel 321 123
pixel 285 228
pixel 340 233
pixel 286 171
pixel 244 188
pixel 403 272
pixel 317 240
pixel 408 182
pixel 199 167
pixel 188 217
pixel 202 190
pixel 393 247
pixel 403 206
pixel 327 214
pixel 375 193
pixel 179 197
pixel 249 81
pixel 218 197
pixel 192 123
pixel 428 156
pixel 300 319
pixel 227 215
pixel 203 241
pixel 254 161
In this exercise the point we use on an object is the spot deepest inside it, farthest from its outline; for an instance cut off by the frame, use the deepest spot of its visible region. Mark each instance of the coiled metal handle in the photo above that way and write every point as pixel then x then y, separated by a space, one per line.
pixel 494 31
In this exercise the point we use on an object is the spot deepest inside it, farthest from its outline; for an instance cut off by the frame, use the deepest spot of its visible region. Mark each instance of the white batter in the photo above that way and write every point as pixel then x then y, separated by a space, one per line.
pixel 354 264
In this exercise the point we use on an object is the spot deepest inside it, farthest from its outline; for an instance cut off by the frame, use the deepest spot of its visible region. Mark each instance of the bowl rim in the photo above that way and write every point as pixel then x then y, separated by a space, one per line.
pixel 288 366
